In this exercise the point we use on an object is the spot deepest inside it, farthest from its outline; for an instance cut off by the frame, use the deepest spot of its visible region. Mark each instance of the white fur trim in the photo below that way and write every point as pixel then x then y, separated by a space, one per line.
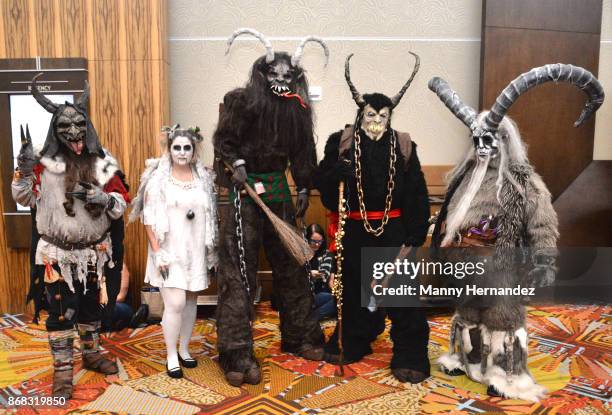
pixel 474 372
pixel 521 335
pixel 54 165
pixel 450 362
pixel 516 386
pixel 465 336
pixel 105 168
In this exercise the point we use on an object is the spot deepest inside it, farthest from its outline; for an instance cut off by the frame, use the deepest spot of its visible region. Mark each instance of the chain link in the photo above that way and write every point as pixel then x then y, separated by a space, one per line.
pixel 390 186
pixel 240 239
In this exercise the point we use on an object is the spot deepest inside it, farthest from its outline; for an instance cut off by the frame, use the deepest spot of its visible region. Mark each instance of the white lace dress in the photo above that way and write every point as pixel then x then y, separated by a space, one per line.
pixel 190 243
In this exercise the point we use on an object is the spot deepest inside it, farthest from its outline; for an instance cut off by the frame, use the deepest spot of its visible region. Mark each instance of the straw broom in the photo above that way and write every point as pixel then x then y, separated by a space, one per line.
pixel 290 238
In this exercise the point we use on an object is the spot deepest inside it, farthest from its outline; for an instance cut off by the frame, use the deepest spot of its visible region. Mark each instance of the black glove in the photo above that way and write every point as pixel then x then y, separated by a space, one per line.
pixel 344 169
pixel 239 177
pixel 26 160
pixel 302 204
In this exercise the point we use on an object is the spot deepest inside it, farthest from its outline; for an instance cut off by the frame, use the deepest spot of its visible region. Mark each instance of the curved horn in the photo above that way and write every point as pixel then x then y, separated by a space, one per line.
pixel 454 103
pixel 258 35
pixel 347 75
pixel 398 97
pixel 575 75
pixel 82 101
pixel 297 55
pixel 44 102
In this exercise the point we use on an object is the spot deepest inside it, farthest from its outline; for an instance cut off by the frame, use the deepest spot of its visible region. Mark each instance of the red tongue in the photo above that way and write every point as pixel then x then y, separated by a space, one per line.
pixel 77 147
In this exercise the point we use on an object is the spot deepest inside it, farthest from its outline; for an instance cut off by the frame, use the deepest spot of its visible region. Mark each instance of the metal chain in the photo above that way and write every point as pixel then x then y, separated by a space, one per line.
pixel 390 186
pixel 240 239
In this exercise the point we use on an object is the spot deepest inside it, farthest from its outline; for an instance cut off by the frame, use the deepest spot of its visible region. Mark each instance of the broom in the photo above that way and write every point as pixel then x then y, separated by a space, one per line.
pixel 290 238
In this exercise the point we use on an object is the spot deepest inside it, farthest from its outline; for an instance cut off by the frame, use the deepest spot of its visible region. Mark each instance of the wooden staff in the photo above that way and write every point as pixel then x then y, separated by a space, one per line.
pixel 337 285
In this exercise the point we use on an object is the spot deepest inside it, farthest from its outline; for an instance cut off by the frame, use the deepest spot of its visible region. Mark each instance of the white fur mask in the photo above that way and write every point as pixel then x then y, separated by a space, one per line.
pixel 181 151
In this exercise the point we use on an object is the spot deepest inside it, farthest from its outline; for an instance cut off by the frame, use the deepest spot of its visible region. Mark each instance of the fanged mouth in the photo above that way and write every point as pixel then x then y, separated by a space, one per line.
pixel 280 90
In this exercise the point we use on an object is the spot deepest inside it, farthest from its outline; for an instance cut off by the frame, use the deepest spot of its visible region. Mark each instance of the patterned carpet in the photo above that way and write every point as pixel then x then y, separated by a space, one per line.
pixel 570 354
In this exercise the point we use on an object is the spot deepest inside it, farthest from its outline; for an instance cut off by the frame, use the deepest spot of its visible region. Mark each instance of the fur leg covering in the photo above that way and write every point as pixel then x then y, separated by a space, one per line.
pixel 237 360
pixel 459 360
pixel 506 365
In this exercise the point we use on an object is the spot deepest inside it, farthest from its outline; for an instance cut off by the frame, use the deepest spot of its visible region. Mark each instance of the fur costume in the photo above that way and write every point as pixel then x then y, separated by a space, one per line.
pixel 495 192
pixel 265 128
pixel 378 143
pixel 77 190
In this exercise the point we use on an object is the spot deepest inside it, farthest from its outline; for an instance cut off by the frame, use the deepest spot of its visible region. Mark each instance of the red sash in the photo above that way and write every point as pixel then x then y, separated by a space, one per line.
pixel 332 228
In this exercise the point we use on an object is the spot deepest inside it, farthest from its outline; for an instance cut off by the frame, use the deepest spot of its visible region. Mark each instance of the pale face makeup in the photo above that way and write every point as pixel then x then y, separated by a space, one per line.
pixel 375 123
pixel 181 151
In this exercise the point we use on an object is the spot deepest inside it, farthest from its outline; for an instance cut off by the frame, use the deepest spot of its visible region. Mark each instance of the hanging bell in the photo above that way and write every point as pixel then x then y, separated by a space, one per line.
pixel 190 214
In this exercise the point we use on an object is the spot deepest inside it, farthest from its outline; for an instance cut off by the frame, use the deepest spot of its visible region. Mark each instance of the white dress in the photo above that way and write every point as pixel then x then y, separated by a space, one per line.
pixel 189 243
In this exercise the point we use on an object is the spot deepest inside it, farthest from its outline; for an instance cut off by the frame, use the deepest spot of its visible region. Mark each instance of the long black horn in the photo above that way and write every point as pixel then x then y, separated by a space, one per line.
pixel 258 35
pixel 44 102
pixel 297 55
pixel 84 98
pixel 398 97
pixel 558 72
pixel 454 103
pixel 347 75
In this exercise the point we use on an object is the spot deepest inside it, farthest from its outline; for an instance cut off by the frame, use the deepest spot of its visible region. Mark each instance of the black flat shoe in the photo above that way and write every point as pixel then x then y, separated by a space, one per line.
pixel 175 372
pixel 189 363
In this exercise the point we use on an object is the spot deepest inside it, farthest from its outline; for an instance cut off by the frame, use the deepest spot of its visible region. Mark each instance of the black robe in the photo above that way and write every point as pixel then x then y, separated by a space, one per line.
pixel 409 330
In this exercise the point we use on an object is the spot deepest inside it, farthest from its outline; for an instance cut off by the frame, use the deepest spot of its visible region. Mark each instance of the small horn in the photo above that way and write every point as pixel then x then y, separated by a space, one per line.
pixel 258 35
pixel 398 97
pixel 44 102
pixel 454 103
pixel 297 55
pixel 575 75
pixel 84 98
pixel 23 137
pixel 29 138
pixel 347 75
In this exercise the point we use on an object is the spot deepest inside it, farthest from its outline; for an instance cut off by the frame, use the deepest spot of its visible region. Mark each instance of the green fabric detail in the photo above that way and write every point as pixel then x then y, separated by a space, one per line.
pixel 275 184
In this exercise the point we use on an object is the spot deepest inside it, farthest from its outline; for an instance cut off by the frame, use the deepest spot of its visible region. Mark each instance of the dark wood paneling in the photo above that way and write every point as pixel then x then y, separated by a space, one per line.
pixel 545 115
pixel 585 208
pixel 561 15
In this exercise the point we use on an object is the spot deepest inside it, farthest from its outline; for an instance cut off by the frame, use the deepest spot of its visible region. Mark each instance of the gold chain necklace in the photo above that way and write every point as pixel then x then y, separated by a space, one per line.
pixel 390 186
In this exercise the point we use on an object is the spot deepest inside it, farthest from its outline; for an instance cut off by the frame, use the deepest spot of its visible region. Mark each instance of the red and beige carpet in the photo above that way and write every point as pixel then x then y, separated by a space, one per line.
pixel 570 354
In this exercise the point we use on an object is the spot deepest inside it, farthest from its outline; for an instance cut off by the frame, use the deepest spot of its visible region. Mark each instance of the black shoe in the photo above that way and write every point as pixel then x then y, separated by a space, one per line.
pixel 175 372
pixel 453 372
pixel 492 391
pixel 188 363
pixel 140 317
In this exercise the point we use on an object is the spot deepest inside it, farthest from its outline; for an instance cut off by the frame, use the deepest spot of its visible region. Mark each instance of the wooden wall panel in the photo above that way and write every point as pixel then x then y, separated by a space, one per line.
pixel 518 35
pixel 125 42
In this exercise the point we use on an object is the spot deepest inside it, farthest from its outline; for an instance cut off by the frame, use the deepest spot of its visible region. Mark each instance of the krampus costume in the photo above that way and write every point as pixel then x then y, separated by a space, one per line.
pixel 77 191
pixel 264 128
pixel 388 207
pixel 496 201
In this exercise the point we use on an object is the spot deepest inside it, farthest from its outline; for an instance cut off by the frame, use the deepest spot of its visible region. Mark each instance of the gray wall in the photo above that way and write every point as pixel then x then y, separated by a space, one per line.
pixel 445 33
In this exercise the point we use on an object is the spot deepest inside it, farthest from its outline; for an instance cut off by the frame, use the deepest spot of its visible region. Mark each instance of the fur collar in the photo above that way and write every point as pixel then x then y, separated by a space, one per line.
pixel 105 168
